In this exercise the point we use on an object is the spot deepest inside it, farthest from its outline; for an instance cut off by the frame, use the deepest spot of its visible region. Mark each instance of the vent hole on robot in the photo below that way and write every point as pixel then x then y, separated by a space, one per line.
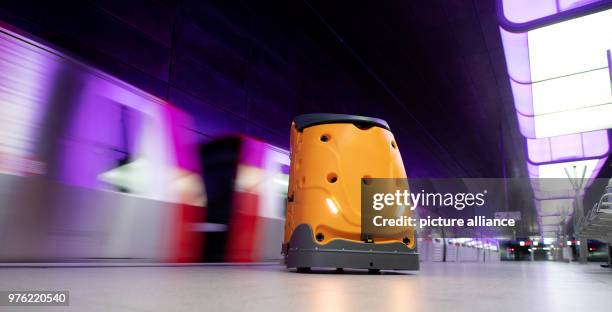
pixel 406 240
pixel 325 138
pixel 320 237
pixel 332 178
pixel 362 125
pixel 393 145
pixel 366 180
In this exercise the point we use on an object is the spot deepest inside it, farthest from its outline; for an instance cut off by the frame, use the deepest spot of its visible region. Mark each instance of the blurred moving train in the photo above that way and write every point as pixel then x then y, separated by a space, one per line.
pixel 92 168
pixel 246 182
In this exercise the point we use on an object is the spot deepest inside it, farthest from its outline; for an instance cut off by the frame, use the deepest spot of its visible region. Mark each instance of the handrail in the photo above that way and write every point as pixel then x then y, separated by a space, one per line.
pixel 589 215
pixel 604 196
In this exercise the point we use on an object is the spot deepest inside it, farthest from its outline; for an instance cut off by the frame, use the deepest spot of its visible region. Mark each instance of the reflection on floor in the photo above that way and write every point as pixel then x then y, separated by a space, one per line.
pixel 507 286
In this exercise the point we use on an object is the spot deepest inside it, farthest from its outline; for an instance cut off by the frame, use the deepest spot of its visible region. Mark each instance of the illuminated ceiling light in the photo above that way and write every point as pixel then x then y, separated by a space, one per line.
pixel 522 243
pixel 552 188
pixel 555 207
pixel 518 12
pixel 567 122
pixel 551 180
pixel 331 205
pixel 575 46
pixel 562 94
pixel 549 235
pixel 550 220
pixel 557 170
pixel 521 11
pixel 570 47
pixel 593 144
pixel 560 208
pixel 550 228
pixel 571 92
pixel 548 240
pixel 559 72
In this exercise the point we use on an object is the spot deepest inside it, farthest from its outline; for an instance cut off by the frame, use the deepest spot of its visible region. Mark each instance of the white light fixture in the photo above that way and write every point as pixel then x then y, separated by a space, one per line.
pixel 549 240
pixel 555 207
pixel 559 73
pixel 557 170
pixel 594 144
pixel 551 181
pixel 560 94
pixel 567 122
pixel 550 220
pixel 570 47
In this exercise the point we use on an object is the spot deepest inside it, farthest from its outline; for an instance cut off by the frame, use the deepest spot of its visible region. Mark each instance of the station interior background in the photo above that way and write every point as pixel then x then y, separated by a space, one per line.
pixel 156 94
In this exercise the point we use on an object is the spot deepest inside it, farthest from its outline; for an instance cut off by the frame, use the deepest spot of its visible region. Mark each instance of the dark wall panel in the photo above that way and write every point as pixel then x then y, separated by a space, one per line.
pixel 152 18
pixel 210 120
pixel 433 69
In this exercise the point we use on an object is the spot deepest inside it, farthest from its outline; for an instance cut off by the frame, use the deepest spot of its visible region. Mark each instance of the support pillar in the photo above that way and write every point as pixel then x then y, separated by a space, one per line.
pixel 610 255
pixel 583 250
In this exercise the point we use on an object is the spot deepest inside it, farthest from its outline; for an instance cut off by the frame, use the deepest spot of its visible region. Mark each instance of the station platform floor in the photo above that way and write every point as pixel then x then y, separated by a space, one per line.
pixel 506 286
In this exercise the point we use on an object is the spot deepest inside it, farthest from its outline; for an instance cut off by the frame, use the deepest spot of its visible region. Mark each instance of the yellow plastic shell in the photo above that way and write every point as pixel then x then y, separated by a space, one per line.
pixel 328 162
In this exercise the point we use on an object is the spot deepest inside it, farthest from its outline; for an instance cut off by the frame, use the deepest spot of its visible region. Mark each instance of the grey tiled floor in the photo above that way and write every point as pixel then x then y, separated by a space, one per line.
pixel 540 286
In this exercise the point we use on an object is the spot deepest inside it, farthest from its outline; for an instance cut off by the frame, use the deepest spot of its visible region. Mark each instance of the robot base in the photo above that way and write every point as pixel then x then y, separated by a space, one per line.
pixel 303 253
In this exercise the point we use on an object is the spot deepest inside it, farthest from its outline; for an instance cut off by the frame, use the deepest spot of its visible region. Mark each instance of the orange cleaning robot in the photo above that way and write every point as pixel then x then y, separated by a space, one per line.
pixel 332 157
